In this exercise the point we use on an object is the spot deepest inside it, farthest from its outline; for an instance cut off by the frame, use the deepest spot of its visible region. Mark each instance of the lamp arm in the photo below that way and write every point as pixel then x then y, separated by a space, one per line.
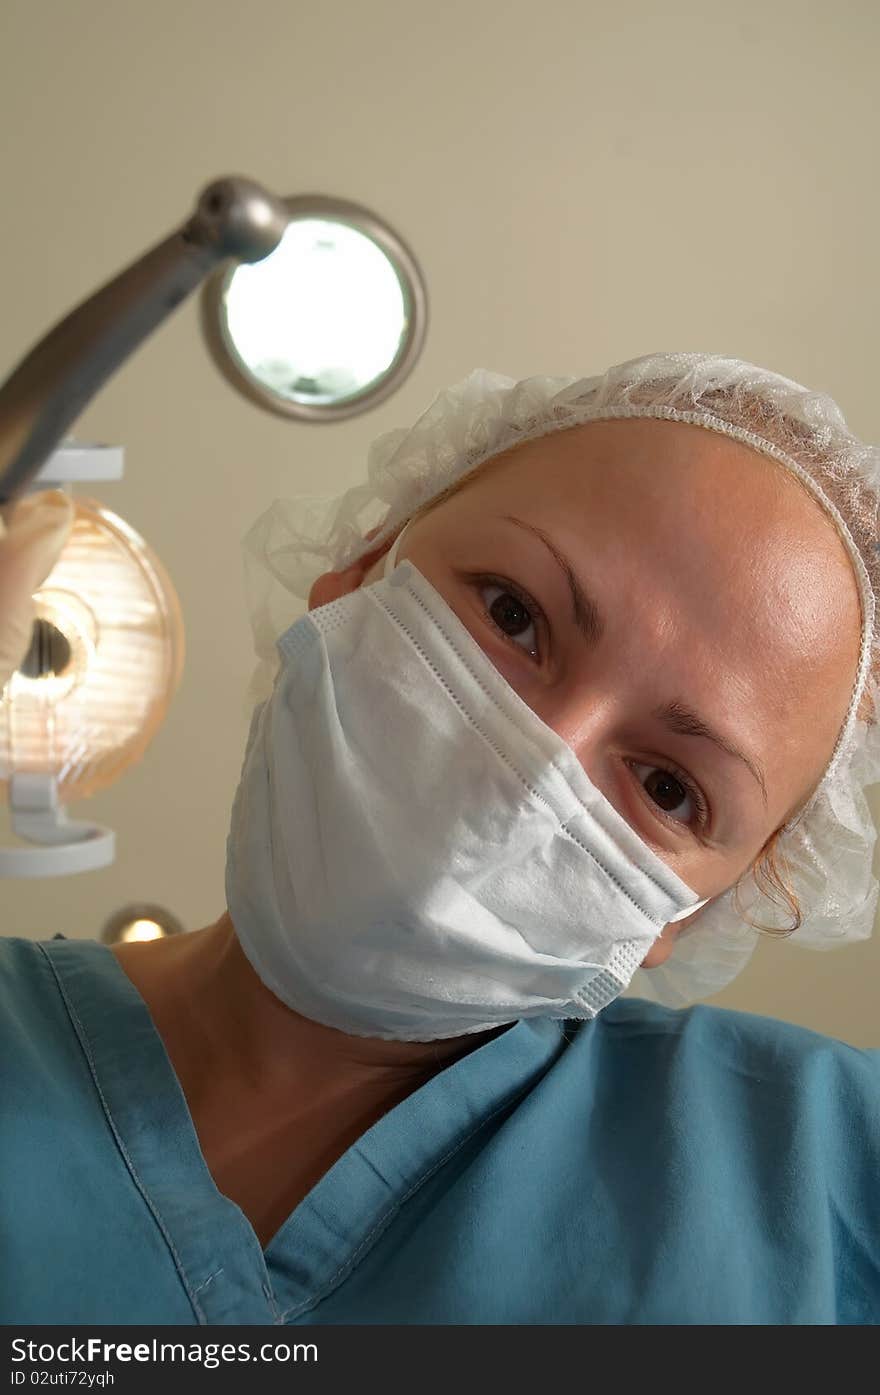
pixel 234 217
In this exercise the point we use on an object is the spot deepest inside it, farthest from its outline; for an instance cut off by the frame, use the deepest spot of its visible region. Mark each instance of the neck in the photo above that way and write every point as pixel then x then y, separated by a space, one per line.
pixel 211 995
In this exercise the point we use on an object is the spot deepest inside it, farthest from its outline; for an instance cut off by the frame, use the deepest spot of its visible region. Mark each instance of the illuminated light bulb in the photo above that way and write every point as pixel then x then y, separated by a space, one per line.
pixel 142 930
pixel 321 317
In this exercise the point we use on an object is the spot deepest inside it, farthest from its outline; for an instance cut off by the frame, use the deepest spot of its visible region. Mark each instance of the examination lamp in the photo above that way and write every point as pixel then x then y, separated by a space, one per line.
pixel 105 659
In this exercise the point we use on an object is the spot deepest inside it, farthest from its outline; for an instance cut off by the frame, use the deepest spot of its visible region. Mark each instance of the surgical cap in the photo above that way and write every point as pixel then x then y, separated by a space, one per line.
pixel 826 848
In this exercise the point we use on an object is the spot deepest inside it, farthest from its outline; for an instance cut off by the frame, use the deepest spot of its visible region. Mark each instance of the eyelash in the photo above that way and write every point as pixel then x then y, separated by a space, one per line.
pixel 525 600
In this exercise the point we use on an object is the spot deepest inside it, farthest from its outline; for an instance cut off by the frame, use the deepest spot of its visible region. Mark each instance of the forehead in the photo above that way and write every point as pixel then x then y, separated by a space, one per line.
pixel 629 462
pixel 652 453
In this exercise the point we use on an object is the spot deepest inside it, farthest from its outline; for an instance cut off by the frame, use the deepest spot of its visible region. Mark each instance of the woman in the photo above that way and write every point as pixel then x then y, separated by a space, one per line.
pixel 537 744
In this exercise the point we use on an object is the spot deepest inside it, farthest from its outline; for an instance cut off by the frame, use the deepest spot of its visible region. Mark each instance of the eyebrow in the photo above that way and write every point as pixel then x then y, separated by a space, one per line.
pixel 683 719
pixel 675 714
pixel 586 612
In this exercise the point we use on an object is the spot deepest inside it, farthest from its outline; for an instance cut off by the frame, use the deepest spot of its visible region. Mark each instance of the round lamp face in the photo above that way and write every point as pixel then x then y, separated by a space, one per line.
pixel 329 323
pixel 105 658
pixel 138 922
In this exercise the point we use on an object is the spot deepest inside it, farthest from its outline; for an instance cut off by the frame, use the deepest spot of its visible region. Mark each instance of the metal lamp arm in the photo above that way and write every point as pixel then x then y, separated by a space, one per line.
pixel 234 217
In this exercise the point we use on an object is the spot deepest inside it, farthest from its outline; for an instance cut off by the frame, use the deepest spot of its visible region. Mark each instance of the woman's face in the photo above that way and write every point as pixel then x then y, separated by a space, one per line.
pixel 640 583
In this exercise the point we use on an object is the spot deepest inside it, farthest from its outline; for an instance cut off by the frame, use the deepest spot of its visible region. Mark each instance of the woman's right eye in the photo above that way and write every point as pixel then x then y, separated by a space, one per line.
pixel 511 613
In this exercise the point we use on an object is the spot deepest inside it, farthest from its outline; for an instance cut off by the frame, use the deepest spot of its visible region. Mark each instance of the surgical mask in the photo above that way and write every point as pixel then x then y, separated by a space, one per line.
pixel 413 853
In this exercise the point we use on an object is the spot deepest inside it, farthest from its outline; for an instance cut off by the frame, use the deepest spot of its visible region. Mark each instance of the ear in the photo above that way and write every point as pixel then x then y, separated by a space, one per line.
pixel 661 948
pixel 329 586
pixel 665 943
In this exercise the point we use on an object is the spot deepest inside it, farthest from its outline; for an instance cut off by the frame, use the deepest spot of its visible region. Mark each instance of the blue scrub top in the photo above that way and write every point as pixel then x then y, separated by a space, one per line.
pixel 650 1166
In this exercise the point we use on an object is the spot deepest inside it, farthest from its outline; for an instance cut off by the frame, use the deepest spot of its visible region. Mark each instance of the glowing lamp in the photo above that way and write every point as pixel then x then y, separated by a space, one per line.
pixel 105 658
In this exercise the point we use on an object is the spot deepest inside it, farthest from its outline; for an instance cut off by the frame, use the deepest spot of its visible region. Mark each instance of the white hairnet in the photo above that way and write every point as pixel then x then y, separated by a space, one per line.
pixel 826 849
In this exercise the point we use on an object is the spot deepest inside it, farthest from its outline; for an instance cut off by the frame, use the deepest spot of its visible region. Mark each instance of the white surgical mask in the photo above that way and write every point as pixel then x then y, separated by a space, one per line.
pixel 413 853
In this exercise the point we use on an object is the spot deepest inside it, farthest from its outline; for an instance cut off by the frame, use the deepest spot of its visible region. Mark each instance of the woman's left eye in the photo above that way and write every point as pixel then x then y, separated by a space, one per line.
pixel 669 790
pixel 512 612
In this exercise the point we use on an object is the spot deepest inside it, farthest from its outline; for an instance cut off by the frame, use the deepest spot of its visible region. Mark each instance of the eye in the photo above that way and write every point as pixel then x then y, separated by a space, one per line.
pixel 669 789
pixel 513 613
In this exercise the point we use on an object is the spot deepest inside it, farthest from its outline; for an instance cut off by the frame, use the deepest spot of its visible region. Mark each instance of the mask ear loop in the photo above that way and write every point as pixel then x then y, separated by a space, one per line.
pixel 391 554
pixel 689 910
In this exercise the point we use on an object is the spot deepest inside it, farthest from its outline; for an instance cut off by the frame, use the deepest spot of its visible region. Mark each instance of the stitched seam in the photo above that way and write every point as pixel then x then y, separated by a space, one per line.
pixel 209 1280
pixel 563 825
pixel 345 1269
pixel 277 1316
pixel 83 1039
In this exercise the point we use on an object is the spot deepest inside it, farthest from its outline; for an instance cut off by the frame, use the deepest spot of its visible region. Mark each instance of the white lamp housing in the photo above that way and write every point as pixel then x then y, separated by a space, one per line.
pixel 87 700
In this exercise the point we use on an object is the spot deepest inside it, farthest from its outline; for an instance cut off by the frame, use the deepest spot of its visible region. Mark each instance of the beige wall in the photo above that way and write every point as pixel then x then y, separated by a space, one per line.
pixel 580 185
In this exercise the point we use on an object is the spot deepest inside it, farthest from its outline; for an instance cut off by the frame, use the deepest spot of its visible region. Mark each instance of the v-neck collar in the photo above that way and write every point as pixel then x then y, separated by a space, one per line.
pixel 227 1275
